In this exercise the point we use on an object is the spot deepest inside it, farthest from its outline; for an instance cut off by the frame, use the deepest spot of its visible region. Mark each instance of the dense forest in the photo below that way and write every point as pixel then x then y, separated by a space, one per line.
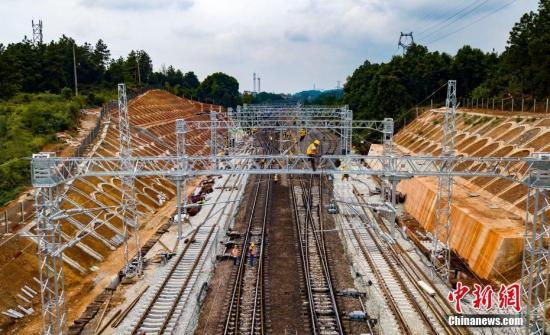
pixel 49 67
pixel 393 89
pixel 38 99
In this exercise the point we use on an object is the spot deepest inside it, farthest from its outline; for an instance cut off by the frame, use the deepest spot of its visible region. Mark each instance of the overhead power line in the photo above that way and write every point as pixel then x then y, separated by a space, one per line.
pixel 456 19
pixel 474 22
pixel 429 27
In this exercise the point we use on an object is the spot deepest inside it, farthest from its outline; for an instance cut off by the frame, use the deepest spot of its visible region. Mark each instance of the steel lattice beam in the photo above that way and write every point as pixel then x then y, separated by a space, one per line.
pixel 63 169
pixel 288 124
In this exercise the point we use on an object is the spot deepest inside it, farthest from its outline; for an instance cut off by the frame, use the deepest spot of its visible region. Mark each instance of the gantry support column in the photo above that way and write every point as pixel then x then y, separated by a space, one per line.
pixel 535 266
pixel 50 262
pixel 349 129
pixel 180 179
pixel 442 227
pixel 387 147
pixel 213 129
pixel 393 224
pixel 343 134
pixel 129 206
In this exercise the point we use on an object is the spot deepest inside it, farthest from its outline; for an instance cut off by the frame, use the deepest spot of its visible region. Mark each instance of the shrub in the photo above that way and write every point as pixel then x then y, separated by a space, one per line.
pixel 66 93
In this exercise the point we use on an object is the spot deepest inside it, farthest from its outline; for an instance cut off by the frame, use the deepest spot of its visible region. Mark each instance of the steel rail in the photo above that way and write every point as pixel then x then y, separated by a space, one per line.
pixel 320 237
pixel 303 245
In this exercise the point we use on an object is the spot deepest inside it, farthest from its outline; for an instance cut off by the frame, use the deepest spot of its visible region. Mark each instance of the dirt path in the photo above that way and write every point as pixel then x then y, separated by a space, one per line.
pixel 285 310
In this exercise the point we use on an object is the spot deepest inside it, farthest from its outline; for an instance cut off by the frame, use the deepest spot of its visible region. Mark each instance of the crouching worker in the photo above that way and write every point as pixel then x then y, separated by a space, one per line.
pixel 313 152
pixel 235 254
pixel 302 134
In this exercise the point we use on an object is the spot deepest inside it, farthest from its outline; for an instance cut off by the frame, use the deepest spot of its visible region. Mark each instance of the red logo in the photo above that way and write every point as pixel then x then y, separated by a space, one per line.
pixel 507 296
pixel 457 295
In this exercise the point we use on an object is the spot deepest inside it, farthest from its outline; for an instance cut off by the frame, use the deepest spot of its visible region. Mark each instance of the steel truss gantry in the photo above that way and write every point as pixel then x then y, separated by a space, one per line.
pixel 337 119
pixel 343 127
pixel 49 172
pixel 64 169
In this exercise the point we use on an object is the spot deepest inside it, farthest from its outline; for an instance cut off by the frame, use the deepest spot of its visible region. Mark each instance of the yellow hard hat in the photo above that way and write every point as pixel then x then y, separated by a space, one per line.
pixel 317 142
pixel 252 244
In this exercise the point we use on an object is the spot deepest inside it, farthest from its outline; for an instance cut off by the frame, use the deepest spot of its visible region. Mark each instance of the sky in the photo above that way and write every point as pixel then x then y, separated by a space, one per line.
pixel 291 44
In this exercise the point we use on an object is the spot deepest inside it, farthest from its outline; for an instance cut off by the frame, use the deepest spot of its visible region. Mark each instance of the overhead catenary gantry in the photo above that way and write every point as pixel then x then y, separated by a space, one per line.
pixel 50 172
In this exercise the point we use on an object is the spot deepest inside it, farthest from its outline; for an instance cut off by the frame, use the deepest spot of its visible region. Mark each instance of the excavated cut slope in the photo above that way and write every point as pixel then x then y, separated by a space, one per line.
pixel 487 213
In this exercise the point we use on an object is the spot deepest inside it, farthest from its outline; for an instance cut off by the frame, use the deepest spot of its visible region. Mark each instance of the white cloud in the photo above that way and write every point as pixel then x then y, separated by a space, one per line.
pixel 292 44
pixel 137 4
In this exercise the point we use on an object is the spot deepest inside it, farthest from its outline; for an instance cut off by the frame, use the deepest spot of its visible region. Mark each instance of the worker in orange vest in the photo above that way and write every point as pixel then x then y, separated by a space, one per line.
pixel 235 253
pixel 313 152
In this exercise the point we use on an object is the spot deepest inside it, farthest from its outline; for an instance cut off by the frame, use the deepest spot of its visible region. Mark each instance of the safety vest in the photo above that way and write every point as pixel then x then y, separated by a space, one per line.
pixel 312 149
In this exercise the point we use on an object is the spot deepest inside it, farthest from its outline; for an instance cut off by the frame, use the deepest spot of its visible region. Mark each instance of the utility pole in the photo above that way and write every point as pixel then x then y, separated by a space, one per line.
pixel 138 69
pixel 74 67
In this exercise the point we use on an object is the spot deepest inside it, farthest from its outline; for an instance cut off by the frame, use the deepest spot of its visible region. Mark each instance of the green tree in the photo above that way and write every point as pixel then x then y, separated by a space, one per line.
pixel 470 68
pixel 219 88
pixel 190 84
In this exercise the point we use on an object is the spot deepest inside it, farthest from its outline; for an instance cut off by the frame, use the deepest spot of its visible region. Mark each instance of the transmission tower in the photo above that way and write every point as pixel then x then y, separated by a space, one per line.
pixel 259 85
pixel 129 211
pixel 37 32
pixel 405 41
pixel 442 225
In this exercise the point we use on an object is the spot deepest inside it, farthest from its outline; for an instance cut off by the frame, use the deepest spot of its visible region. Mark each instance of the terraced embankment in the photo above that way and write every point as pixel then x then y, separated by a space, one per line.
pixel 90 265
pixel 487 213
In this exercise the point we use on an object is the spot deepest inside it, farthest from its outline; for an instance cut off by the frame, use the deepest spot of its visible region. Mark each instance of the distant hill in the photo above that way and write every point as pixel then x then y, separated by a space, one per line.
pixel 311 95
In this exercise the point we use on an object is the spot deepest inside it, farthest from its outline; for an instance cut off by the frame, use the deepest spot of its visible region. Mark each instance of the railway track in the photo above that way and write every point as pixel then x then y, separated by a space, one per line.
pixel 245 311
pixel 159 312
pixel 408 315
pixel 434 307
pixel 307 203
